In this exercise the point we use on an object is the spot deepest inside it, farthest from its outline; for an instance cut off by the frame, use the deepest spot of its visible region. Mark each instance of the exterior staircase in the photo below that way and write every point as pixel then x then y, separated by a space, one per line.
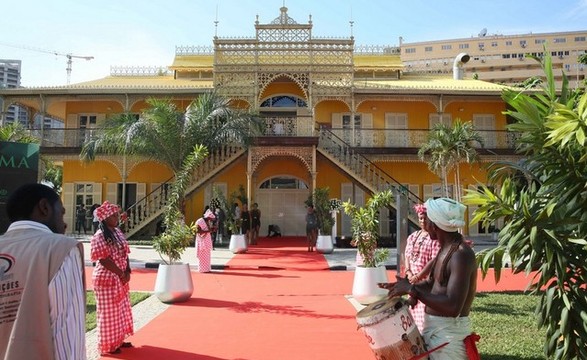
pixel 366 174
pixel 150 208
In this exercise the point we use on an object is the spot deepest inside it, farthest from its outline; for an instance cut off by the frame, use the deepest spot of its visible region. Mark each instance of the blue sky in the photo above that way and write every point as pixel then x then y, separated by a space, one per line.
pixel 145 33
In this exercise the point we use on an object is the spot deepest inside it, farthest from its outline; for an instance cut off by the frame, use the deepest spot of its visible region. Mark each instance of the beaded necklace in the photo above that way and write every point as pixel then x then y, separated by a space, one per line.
pixel 419 242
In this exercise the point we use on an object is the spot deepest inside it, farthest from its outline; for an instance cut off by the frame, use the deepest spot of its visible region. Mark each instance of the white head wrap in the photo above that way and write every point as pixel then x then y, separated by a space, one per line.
pixel 447 214
pixel 209 215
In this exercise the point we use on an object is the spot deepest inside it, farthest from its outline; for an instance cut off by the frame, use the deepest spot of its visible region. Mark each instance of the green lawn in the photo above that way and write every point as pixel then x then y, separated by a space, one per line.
pixel 507 326
pixel 135 298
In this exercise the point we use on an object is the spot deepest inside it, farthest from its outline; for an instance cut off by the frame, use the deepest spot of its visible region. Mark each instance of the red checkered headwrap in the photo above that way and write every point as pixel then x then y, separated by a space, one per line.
pixel 106 210
pixel 420 208
pixel 209 215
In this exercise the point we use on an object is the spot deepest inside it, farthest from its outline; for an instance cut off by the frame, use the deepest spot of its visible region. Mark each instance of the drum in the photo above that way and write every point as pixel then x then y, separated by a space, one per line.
pixel 390 330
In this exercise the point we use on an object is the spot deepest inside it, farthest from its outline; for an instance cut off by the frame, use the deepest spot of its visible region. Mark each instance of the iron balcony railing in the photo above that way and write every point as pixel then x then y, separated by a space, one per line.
pixel 276 126
pixel 414 138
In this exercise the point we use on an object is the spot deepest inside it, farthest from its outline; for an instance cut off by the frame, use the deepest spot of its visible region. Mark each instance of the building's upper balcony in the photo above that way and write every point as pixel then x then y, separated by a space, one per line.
pixel 303 130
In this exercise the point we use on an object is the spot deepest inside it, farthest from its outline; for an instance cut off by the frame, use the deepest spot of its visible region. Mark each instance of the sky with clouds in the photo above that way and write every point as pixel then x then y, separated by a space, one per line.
pixel 145 33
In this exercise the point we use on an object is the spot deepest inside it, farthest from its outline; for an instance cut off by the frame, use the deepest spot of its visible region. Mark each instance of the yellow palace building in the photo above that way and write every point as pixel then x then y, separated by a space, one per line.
pixel 337 115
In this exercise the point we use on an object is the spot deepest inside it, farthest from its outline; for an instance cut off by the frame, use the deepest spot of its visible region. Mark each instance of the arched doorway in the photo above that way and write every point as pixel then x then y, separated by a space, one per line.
pixel 281 199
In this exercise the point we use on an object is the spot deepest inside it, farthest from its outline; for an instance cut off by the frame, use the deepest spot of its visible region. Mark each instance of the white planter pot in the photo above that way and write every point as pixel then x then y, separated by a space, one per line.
pixel 174 283
pixel 324 244
pixel 238 244
pixel 365 289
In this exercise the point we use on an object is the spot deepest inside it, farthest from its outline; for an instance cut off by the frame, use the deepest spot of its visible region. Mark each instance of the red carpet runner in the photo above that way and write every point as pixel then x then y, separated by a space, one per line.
pixel 273 302
pixel 284 253
pixel 266 305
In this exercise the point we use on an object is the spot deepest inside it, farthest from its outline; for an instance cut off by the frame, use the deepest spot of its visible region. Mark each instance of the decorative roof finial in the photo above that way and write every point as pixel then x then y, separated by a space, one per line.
pixel 351 22
pixel 216 23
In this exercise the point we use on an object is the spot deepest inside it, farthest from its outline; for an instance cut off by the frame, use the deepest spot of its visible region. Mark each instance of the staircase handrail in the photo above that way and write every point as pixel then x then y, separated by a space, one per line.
pixel 353 160
pixel 152 205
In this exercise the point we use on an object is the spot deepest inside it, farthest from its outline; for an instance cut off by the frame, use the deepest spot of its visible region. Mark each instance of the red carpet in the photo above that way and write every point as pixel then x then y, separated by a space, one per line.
pixel 288 253
pixel 265 307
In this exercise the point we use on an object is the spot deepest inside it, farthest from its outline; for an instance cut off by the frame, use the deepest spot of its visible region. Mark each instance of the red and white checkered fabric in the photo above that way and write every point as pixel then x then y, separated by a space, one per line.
pixel 106 210
pixel 203 247
pixel 113 310
pixel 420 250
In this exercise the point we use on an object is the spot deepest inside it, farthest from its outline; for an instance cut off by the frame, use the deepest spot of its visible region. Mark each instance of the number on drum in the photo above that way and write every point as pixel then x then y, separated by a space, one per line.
pixel 406 322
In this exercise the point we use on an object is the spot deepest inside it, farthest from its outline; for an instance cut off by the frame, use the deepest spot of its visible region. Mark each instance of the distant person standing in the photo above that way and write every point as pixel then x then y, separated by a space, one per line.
pixel 80 219
pixel 95 220
pixel 220 217
pixel 237 217
pixel 255 223
pixel 311 227
pixel 204 229
pixel 42 274
pixel 246 223
pixel 109 249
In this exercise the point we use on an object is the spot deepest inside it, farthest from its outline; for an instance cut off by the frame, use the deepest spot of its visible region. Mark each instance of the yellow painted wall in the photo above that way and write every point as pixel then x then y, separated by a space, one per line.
pixel 281 88
pixel 57 109
pixel 418 173
pixel 149 172
pixel 323 111
pixel 282 165
pixel 233 176
pixel 97 171
pixel 466 110
pixel 91 107
pixel 417 111
pixel 330 176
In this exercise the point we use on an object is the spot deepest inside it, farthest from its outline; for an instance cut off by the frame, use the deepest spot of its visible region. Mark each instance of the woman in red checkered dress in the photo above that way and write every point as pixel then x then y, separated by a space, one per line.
pixel 420 251
pixel 109 249
pixel 204 229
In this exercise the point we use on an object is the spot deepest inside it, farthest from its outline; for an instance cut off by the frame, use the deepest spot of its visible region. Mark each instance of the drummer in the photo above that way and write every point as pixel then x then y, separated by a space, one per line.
pixel 449 292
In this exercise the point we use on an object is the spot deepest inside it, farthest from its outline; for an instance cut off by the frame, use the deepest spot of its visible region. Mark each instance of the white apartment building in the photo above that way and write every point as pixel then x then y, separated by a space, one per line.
pixel 10 78
pixel 500 58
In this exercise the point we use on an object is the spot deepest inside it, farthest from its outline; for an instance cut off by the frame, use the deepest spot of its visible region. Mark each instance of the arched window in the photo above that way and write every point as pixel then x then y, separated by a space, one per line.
pixel 283 182
pixel 283 101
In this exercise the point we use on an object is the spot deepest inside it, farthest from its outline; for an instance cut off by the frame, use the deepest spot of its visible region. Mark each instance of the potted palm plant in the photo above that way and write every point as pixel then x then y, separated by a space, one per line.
pixel 174 280
pixel 365 233
pixel 321 202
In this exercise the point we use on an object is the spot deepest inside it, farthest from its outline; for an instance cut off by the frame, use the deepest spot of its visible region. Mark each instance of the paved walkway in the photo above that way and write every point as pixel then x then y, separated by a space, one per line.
pixel 144 256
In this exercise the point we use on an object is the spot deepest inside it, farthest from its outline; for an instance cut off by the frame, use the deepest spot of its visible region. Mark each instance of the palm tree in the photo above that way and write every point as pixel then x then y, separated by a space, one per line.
pixel 447 147
pixel 543 200
pixel 15 132
pixel 180 139
pixel 167 134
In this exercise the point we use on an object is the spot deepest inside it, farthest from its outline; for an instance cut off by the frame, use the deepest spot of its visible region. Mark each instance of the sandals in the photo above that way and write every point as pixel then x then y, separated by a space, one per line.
pixel 118 350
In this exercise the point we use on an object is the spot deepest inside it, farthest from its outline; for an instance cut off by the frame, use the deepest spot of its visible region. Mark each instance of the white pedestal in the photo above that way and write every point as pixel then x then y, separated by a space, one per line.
pixel 238 244
pixel 173 283
pixel 324 244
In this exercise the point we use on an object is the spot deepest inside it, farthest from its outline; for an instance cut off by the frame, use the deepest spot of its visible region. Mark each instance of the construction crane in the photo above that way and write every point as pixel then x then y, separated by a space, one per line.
pixel 69 56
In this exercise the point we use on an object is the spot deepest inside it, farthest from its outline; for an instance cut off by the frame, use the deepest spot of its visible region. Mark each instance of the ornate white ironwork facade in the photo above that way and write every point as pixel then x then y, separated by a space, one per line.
pixel 321 67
